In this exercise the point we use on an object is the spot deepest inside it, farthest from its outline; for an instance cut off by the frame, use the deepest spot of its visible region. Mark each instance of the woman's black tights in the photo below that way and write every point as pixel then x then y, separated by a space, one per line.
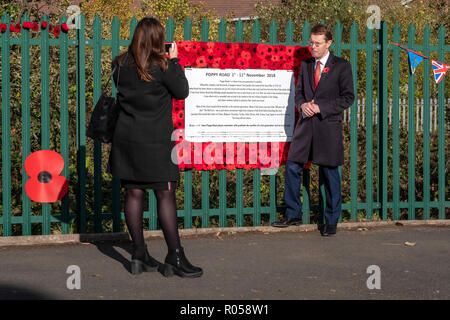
pixel 167 215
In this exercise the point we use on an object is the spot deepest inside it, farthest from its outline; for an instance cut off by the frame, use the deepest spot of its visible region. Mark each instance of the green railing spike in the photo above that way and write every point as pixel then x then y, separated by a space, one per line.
pixel 273 32
pixel 441 129
pixel 396 129
pixel 170 29
pixel 187 30
pixel 239 34
pixel 97 75
pixel 290 32
pixel 256 31
pixel 205 30
pixel 426 123
pixel 411 130
pixel 305 33
pixel 6 133
pixel 222 30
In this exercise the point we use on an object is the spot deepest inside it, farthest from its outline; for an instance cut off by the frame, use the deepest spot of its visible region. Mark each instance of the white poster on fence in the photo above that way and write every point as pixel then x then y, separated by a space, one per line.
pixel 239 105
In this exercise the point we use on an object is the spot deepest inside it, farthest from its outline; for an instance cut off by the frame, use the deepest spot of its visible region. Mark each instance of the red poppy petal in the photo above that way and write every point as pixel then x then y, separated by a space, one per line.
pixel 49 192
pixel 44 160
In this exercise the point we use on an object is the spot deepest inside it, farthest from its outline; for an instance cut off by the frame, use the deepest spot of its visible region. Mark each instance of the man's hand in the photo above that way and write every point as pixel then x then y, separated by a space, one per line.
pixel 310 108
pixel 315 107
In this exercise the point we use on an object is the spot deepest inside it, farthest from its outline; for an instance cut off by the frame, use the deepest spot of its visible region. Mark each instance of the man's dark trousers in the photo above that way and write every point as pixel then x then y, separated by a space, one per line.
pixel 332 184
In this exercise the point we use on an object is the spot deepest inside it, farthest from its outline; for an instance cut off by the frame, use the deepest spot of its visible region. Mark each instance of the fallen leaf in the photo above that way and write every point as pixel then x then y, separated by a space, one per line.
pixel 399 224
pixel 410 244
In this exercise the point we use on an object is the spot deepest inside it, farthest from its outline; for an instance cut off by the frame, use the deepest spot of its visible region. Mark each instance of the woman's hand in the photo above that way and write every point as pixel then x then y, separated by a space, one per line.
pixel 173 52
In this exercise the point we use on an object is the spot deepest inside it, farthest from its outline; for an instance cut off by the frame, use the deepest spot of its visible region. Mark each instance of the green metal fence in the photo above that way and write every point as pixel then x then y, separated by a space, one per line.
pixel 377 199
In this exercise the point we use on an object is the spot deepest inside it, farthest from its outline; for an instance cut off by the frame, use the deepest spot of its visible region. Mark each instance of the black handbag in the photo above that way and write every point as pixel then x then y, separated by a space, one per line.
pixel 104 117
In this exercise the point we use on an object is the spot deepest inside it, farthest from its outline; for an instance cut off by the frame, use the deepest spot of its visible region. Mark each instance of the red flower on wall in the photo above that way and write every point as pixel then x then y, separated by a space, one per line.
pixel 35 26
pixel 56 31
pixel 264 64
pixel 261 51
pixel 242 63
pixel 27 25
pixel 274 65
pixel 254 63
pixel 44 24
pixel 65 27
pixel 184 61
pixel 17 27
pixel 201 62
pixel 45 184
pixel 195 47
pixel 246 55
pixel 3 27
pixel 187 45
pixel 216 63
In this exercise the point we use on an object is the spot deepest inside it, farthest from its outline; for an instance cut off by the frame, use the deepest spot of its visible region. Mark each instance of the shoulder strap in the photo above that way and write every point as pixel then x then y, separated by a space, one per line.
pixel 112 74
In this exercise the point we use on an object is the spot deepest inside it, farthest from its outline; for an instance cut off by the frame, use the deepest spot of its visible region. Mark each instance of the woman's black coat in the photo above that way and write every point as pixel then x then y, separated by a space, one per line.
pixel 142 146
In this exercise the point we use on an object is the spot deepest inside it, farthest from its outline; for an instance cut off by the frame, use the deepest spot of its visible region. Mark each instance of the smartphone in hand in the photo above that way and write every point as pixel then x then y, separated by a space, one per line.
pixel 168 45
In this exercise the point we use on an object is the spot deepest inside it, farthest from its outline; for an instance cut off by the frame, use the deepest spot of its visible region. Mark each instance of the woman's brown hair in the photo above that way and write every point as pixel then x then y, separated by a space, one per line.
pixel 147 48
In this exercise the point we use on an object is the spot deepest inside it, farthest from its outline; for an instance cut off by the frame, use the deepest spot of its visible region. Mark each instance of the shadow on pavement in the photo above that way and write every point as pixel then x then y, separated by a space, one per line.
pixel 15 292
pixel 109 249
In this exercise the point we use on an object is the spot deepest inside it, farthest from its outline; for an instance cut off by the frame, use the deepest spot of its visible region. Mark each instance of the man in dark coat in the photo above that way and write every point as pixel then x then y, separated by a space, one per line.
pixel 324 90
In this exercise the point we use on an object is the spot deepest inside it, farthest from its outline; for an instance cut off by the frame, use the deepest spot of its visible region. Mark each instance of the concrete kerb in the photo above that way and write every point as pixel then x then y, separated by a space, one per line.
pixel 123 236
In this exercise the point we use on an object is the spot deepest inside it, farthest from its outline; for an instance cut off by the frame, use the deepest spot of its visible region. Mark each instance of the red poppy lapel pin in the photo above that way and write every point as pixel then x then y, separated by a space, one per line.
pixel 325 70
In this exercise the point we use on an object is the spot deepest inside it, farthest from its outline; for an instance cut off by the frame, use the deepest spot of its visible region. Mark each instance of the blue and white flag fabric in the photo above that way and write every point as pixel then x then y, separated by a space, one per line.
pixel 414 60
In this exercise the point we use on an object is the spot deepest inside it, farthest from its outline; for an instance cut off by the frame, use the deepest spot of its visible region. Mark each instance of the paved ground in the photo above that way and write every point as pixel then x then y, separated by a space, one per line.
pixel 244 266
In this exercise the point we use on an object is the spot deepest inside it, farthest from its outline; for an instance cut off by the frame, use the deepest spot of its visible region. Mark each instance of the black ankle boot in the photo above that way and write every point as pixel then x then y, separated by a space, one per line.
pixel 141 261
pixel 177 263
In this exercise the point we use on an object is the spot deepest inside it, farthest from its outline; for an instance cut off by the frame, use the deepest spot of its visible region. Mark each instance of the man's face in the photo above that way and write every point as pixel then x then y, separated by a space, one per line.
pixel 319 46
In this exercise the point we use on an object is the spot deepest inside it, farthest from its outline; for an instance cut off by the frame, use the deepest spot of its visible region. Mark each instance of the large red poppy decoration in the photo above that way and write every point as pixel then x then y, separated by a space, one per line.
pixel 45 184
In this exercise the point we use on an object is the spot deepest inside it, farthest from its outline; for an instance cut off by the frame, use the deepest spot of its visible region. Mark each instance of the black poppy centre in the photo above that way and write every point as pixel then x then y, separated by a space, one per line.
pixel 44 177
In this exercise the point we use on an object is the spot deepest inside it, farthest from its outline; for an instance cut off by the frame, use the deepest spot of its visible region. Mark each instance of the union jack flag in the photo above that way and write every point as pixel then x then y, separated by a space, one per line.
pixel 439 70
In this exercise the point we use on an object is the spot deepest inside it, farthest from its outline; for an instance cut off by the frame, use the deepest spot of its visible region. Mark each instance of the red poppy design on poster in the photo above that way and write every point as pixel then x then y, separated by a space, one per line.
pixel 45 184
pixel 233 56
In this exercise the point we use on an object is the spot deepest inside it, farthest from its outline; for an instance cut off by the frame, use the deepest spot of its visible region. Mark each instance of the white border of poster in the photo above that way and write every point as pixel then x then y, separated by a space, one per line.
pixel 232 105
